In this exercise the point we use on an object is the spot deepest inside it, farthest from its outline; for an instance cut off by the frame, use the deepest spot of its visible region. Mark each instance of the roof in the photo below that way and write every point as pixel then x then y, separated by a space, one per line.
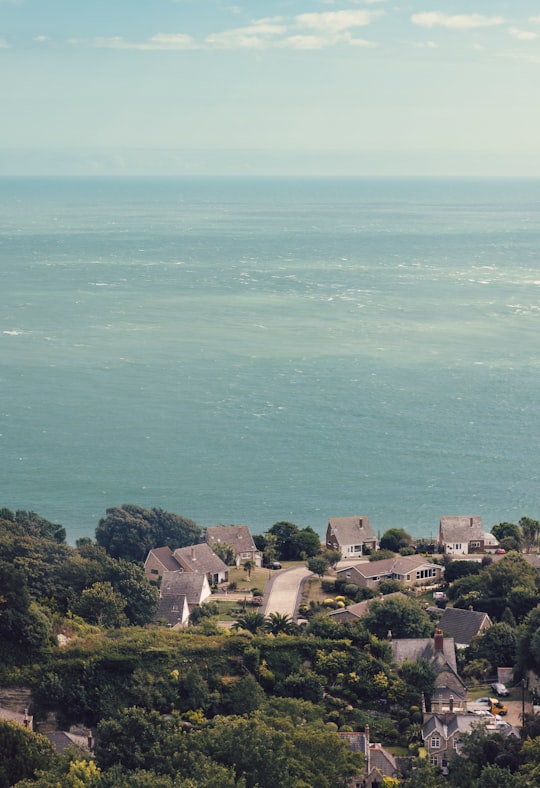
pixel 461 528
pixel 171 608
pixel 413 649
pixel 183 583
pixel 463 625
pixel 449 725
pixel 238 536
pixel 355 741
pixel 166 558
pixel 351 530
pixel 448 685
pixel 200 558
pixel 63 740
pixel 15 716
pixel 400 565
pixel 381 760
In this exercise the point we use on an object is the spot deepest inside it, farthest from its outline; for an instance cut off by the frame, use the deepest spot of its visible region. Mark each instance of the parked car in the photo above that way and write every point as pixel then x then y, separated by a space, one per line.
pixel 498 708
pixel 499 689
pixel 500 551
pixel 274 565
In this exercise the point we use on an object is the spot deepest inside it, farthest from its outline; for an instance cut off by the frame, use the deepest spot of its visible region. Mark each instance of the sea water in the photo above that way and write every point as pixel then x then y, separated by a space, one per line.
pixel 255 350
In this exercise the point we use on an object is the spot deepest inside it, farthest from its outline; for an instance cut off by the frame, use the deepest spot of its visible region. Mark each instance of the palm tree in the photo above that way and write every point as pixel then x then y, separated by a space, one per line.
pixel 248 567
pixel 252 622
pixel 278 623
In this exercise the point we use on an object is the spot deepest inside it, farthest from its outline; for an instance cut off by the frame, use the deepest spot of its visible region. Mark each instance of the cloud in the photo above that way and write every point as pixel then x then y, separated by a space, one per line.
pixel 259 35
pixel 455 22
pixel 40 39
pixel 335 21
pixel 160 41
pixel 427 45
pixel 535 20
pixel 3 44
pixel 522 35
pixel 323 41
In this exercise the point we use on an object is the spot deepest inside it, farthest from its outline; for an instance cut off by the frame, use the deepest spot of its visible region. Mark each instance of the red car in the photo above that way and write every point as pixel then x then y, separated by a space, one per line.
pixel 500 551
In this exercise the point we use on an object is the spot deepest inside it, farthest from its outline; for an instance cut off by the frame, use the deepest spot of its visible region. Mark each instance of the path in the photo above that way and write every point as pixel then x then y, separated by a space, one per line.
pixel 281 593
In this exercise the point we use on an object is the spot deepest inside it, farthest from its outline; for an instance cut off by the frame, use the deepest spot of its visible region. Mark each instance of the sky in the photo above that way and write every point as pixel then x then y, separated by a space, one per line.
pixel 270 87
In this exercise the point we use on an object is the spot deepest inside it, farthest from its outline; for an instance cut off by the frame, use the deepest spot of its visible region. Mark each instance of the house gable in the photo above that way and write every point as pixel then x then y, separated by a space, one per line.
pixel 201 559
pixel 461 534
pixel 464 625
pixel 240 539
pixel 349 535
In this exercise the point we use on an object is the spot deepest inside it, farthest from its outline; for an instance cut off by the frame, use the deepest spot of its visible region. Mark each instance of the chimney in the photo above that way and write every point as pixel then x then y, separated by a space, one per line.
pixel 438 640
pixel 471 520
pixel 192 552
pixel 451 703
pixel 90 741
pixel 26 721
pixel 366 734
pixel 389 635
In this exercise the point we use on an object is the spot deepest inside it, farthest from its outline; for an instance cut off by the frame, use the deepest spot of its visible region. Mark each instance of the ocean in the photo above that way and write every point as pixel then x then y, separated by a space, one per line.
pixel 253 350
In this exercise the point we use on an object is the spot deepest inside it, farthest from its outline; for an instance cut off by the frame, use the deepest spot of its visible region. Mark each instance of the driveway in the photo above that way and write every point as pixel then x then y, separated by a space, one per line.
pixel 281 593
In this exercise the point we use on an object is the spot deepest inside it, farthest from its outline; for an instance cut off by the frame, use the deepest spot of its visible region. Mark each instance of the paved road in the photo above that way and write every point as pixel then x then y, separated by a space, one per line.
pixel 284 589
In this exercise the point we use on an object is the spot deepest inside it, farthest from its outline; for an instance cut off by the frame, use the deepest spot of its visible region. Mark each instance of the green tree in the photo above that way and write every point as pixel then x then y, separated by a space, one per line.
pixel 102 605
pixel 530 530
pixel 402 616
pixel 251 622
pixel 129 531
pixel 280 624
pixel 454 569
pixel 22 753
pixel 318 565
pixel 497 644
pixel 25 631
pixel 225 551
pixel 244 696
pixel 394 539
pixel 249 566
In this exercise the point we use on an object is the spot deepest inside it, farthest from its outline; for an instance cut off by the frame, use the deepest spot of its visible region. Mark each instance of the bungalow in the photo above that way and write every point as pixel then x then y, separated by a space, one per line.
pixel 349 535
pixel 463 625
pixel 359 609
pixel 409 570
pixel 239 538
pixel 461 535
pixel 197 559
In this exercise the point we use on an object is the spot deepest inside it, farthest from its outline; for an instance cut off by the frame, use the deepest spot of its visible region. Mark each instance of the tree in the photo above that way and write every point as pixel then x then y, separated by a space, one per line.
pixel 249 566
pixel 453 570
pixel 130 532
pixel 251 622
pixel 101 604
pixel 280 624
pixel 530 529
pixel 402 616
pixel 508 533
pixel 293 544
pixel 497 644
pixel 225 551
pixel 318 564
pixel 22 752
pixel 394 539
pixel 25 631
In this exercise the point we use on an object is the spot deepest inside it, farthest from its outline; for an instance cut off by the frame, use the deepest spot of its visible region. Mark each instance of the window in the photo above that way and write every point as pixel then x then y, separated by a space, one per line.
pixel 434 761
pixel 154 572
pixel 408 578
pixel 435 742
pixel 357 548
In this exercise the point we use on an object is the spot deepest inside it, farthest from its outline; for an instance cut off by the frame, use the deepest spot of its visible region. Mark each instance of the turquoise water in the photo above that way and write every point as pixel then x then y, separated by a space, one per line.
pixel 247 351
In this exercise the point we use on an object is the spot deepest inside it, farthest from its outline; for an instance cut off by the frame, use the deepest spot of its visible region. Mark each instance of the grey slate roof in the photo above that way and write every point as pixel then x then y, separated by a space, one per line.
pixel 461 528
pixel 351 530
pixel 413 649
pixel 170 608
pixel 238 536
pixel 463 625
pixel 200 558
pixel 63 740
pixel 183 583
pixel 166 558
pixel 400 564
pixel 449 726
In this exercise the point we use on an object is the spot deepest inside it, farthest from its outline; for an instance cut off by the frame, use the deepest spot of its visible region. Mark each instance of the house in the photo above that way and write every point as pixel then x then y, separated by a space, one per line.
pixel 174 609
pixel 461 535
pixel 197 558
pixel 201 559
pixel 409 570
pixel 378 762
pixel 239 538
pixel 158 561
pixel 441 734
pixel 66 740
pixel 349 536
pixel 463 625
pixel 450 691
pixel 194 587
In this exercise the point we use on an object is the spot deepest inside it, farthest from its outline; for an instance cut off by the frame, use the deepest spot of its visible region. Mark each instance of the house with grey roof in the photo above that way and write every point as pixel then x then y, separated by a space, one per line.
pixel 409 570
pixel 201 559
pixel 193 586
pixel 442 734
pixel 158 561
pixel 379 763
pixel 450 691
pixel 463 534
pixel 239 538
pixel 350 535
pixel 463 625
pixel 359 609
pixel 173 609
